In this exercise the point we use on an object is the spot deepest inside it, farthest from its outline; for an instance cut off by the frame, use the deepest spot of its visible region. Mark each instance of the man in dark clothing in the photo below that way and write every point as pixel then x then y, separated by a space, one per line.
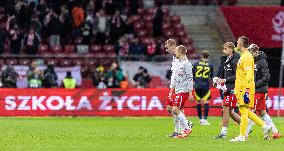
pixel 262 77
pixel 228 77
pixel 50 77
pixel 158 21
pixel 202 72
pixel 2 40
pixel 9 77
pixel 142 78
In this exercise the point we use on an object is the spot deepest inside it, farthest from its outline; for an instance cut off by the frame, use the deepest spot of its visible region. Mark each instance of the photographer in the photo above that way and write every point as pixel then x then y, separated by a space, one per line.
pixel 50 77
pixel 9 77
pixel 142 78
pixel 35 76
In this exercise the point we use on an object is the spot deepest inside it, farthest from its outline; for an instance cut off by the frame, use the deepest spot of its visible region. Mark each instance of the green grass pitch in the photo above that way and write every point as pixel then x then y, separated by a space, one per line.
pixel 123 134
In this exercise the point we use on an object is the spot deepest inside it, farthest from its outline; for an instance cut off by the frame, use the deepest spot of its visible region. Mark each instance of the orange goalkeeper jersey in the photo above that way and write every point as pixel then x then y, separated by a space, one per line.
pixel 245 78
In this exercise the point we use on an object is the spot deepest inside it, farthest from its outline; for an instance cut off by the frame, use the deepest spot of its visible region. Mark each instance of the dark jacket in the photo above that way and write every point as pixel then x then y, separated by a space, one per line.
pixel 261 73
pixel 229 71
pixel 9 78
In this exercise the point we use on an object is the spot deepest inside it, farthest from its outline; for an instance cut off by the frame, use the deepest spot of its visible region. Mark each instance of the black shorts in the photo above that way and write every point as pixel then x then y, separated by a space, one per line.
pixel 202 94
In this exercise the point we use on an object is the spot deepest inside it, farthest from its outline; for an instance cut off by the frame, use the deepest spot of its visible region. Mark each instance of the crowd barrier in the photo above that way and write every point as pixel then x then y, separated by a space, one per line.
pixel 108 102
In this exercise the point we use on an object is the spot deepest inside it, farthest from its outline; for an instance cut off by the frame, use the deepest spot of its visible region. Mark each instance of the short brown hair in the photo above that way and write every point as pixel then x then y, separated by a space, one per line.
pixel 205 54
pixel 229 45
pixel 245 41
pixel 182 49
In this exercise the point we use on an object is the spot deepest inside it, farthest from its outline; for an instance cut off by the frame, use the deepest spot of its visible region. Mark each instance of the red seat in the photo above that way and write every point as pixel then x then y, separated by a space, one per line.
pixel 2 61
pixel 165 11
pixel 78 61
pixel 168 33
pixel 140 11
pixel 145 40
pixel 149 26
pixel 178 26
pixel 51 61
pixel 148 18
pixel 99 54
pixel 69 49
pixel 43 48
pixel 142 32
pixel 95 48
pixel 56 49
pixel 111 54
pixel 11 61
pixel 180 33
pixel 78 40
pixel 65 62
pixel 135 18
pixel 138 25
pixel 165 26
pixel 150 11
pixel 186 41
pixel 108 48
pixel 24 62
pixel 175 19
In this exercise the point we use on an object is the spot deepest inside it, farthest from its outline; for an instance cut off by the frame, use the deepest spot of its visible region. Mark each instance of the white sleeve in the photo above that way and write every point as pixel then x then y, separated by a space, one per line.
pixel 173 84
pixel 189 75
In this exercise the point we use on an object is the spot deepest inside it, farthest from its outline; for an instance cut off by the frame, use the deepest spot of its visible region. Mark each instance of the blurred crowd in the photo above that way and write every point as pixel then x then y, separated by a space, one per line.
pixel 57 22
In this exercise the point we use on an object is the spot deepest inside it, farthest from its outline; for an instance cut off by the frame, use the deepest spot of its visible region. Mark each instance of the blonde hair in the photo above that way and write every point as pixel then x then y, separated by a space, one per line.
pixel 182 49
pixel 253 48
pixel 171 42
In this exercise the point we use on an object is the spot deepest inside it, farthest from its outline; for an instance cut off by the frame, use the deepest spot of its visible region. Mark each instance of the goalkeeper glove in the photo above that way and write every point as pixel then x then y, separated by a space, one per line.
pixel 246 98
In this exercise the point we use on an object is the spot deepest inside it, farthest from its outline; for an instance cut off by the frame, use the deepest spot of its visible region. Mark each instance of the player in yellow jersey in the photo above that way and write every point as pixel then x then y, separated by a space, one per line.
pixel 245 89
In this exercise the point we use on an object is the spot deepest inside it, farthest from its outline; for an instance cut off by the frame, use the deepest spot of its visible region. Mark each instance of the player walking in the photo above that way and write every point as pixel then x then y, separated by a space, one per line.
pixel 227 79
pixel 262 77
pixel 170 46
pixel 202 72
pixel 244 90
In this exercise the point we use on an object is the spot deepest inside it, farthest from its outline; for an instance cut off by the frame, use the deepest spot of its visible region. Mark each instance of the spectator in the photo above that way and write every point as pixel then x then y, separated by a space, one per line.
pixel 69 82
pixel 114 76
pixel 136 48
pixel 32 41
pixel 9 77
pixel 109 7
pixel 116 26
pixel 101 27
pixel 151 48
pixel 158 21
pixel 99 80
pixel 42 9
pixel 35 76
pixel 2 40
pixel 50 77
pixel 15 39
pixel 142 78
pixel 122 46
pixel 134 5
pixel 54 27
pixel 35 22
pixel 78 16
pixel 66 21
pixel 128 28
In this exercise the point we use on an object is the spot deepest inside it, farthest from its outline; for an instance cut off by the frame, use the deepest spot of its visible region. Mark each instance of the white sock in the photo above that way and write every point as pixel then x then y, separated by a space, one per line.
pixel 267 119
pixel 183 121
pixel 250 124
pixel 176 123
pixel 224 130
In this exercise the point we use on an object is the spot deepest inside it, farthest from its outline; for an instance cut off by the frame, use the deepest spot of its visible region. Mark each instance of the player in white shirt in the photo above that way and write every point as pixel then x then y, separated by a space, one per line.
pixel 170 46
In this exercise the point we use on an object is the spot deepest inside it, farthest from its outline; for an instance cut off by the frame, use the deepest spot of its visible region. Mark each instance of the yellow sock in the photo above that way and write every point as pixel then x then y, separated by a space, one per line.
pixel 255 118
pixel 244 120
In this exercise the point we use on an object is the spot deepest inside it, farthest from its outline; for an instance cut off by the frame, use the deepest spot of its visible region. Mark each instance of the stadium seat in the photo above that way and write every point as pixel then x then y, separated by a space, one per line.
pixel 24 62
pixel 78 61
pixel 166 26
pixel 43 48
pixel 51 61
pixel 135 18
pixel 11 61
pixel 111 54
pixel 148 18
pixel 78 40
pixel 178 26
pixel 95 48
pixel 138 25
pixel 145 40
pixel 140 11
pixel 142 32
pixel 56 49
pixel 150 11
pixel 168 33
pixel 165 11
pixel 108 48
pixel 65 62
pixel 175 19
pixel 2 61
pixel 186 41
pixel 69 49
